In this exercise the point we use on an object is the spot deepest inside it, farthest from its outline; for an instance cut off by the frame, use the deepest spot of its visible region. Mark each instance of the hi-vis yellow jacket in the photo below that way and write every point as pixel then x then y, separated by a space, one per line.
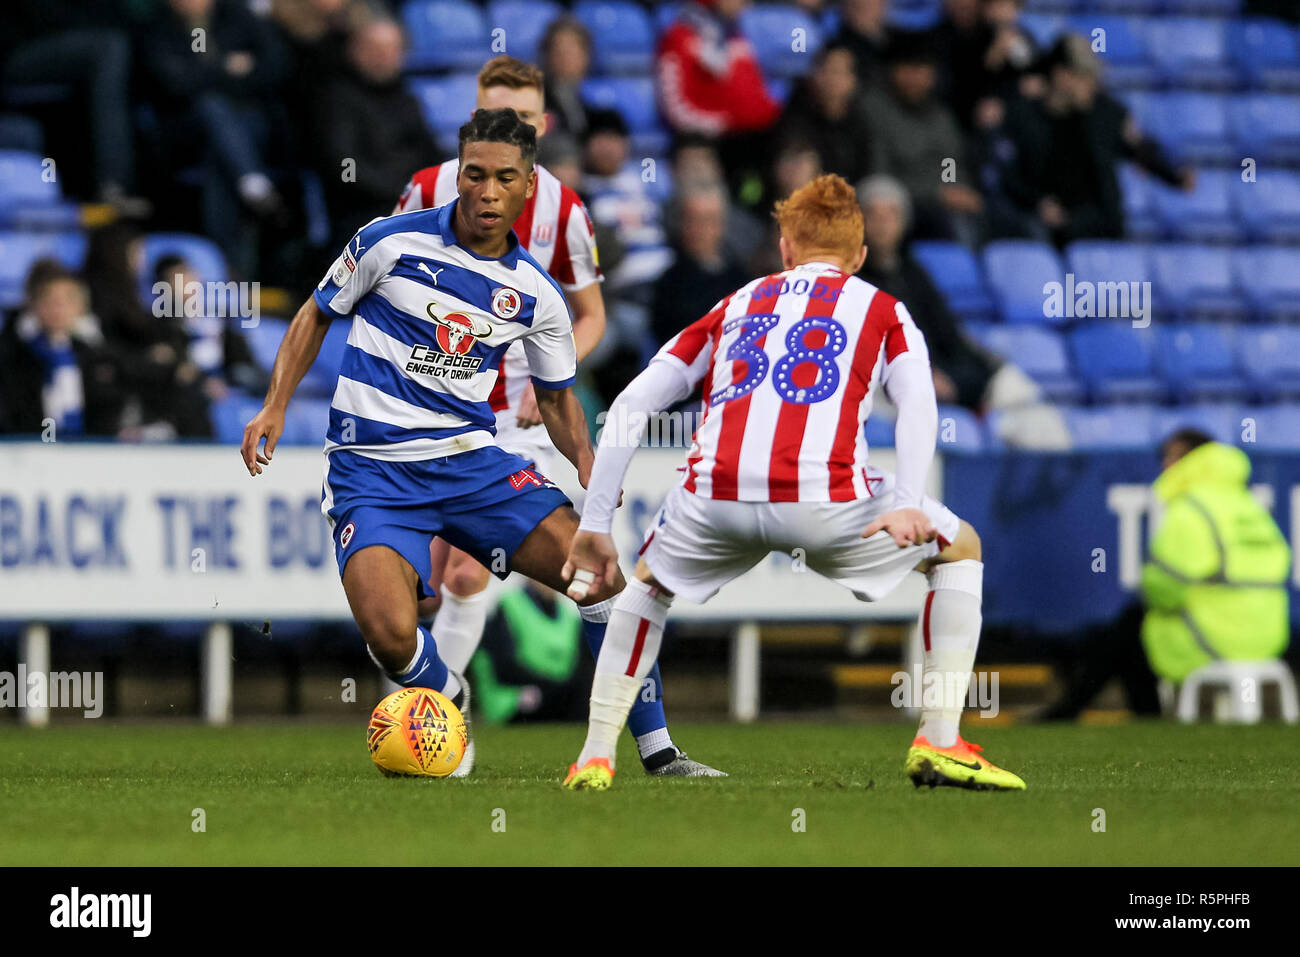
pixel 1215 583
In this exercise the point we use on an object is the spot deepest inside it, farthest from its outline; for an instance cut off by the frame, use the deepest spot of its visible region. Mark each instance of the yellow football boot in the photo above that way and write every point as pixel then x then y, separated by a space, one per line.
pixel 595 775
pixel 960 766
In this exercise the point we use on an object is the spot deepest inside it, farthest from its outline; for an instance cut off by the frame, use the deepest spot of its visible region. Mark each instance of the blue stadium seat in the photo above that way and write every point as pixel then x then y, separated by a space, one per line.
pixel 1277 427
pixel 624 35
pixel 1106 260
pixel 634 98
pixel 922 15
pixel 960 430
pixel 264 339
pixel 1127 62
pixel 199 251
pixel 29 197
pixel 1270 358
pixel 1267 52
pixel 665 14
pixel 770 28
pixel 306 422
pixel 1193 127
pixel 1220 420
pixel 1017 271
pixel 1208 8
pixel 1270 278
pixel 1191 52
pixel 1112 427
pixel 524 22
pixel 447 102
pixel 879 431
pixel 1140 220
pixel 229 416
pixel 1044 28
pixel 18 251
pixel 1198 361
pixel 1137 7
pixel 1267 126
pixel 1116 361
pixel 1269 208
pixel 1196 282
pixel 1039 352
pixel 1203 215
pixel 446 35
pixel 323 375
pixel 21 133
pixel 779 88
pixel 954 270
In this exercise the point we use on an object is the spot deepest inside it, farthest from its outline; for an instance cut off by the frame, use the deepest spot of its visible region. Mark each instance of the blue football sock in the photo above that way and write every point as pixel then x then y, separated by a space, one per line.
pixel 646 717
pixel 426 669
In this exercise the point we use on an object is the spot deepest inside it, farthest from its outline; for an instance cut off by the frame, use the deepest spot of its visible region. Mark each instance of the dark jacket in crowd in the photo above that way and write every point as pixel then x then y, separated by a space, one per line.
pixel 965 78
pixel 1075 158
pixel 687 291
pixel 177 73
pixel 844 145
pixel 381 128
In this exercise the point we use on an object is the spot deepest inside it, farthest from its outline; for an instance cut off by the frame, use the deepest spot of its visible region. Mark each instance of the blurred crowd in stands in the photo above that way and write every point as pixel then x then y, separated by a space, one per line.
pixel 276 128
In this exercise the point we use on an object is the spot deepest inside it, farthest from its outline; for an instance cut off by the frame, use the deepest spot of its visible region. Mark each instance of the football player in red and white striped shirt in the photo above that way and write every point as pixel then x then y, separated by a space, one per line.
pixel 788 365
pixel 555 229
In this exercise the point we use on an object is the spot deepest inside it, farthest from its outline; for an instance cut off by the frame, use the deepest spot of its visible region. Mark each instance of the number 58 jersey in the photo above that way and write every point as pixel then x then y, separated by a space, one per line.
pixel 789 363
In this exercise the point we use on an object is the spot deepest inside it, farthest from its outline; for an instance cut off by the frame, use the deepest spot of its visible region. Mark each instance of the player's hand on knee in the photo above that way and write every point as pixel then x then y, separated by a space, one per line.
pixel 907 526
pixel 267 425
pixel 592 564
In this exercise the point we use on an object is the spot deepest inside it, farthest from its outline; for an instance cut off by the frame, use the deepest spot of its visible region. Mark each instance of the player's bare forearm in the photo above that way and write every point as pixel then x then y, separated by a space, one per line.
pixel 298 350
pixel 588 307
pixel 566 424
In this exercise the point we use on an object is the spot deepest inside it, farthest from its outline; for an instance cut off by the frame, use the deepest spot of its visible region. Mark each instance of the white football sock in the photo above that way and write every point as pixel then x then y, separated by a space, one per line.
pixel 653 742
pixel 950 624
pixel 630 649
pixel 458 627
pixel 598 612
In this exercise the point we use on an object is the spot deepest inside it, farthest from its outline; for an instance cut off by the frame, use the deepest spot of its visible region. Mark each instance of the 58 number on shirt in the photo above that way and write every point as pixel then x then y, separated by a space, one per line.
pixel 790 375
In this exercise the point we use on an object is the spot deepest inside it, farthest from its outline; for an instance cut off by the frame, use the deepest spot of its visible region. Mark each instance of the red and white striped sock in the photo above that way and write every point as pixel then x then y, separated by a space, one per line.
pixel 950 630
pixel 630 649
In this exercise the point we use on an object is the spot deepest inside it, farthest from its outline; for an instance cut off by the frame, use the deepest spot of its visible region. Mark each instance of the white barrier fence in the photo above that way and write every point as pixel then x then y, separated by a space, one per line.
pixel 181 532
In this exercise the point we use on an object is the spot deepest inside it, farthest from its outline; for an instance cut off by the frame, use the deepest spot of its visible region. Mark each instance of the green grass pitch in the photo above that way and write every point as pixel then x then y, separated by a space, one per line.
pixel 298 793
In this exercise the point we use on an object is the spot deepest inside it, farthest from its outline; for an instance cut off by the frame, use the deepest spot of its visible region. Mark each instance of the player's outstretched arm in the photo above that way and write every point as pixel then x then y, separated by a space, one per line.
pixel 297 352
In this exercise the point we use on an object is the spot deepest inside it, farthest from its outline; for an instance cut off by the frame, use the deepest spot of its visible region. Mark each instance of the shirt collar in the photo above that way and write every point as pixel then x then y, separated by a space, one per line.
pixel 820 264
pixel 445 214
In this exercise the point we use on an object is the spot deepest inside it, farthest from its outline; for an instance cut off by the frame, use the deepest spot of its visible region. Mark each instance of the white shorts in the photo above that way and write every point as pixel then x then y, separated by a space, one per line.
pixel 533 444
pixel 696 545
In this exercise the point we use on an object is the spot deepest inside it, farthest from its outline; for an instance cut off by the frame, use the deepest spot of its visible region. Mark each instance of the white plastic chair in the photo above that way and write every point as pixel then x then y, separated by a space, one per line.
pixel 1240 687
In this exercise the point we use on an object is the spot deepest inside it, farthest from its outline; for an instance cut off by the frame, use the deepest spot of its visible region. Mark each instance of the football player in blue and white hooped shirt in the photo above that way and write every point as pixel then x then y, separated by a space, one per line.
pixel 436 297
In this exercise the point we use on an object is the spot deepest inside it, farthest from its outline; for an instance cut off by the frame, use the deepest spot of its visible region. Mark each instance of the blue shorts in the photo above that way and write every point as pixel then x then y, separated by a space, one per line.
pixel 484 502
